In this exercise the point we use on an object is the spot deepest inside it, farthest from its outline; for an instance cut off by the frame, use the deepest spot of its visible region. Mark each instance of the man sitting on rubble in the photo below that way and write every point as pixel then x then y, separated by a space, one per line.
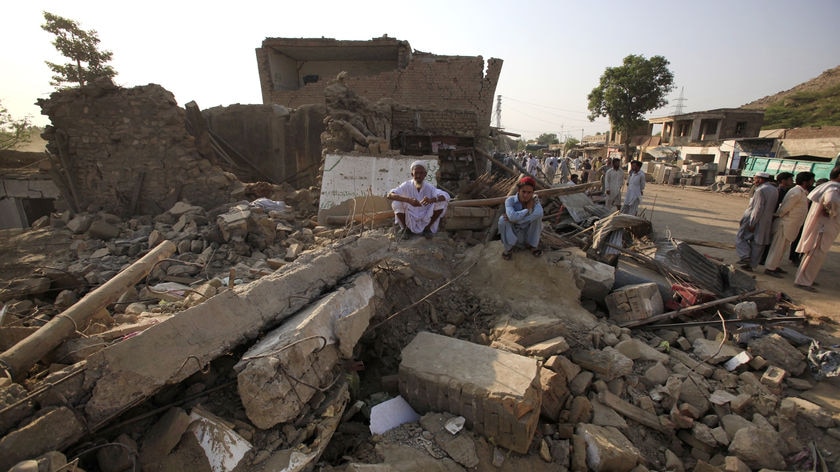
pixel 418 205
pixel 521 223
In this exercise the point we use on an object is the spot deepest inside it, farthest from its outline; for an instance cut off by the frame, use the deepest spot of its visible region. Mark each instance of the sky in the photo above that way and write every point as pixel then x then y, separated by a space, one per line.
pixel 723 54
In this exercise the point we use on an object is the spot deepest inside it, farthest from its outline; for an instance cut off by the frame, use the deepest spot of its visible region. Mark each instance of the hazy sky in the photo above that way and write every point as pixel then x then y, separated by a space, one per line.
pixel 723 53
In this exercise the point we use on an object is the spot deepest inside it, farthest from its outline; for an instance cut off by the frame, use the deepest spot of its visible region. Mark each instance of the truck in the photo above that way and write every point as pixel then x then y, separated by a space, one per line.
pixel 820 166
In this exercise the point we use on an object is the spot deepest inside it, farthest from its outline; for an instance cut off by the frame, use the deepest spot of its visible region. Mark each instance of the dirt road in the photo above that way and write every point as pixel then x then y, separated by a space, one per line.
pixel 695 214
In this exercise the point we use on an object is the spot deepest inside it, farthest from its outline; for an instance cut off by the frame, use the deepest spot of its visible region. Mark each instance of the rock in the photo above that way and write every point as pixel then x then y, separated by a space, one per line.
pixel 714 352
pixel 757 447
pixel 733 464
pixel 608 363
pixel 562 364
pixel 746 311
pixel 791 407
pixel 580 411
pixel 580 384
pixel 117 457
pixel 598 278
pixel 673 462
pixel 547 348
pixel 635 349
pixel 657 374
pixel 9 395
pixel 779 352
pixel 163 436
pixel 607 450
pixel 554 393
pixel 603 415
pixel 53 430
pixel 101 229
pixel 80 223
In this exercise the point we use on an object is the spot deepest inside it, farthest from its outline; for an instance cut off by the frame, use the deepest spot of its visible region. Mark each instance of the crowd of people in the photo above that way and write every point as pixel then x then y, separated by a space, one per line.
pixel 791 214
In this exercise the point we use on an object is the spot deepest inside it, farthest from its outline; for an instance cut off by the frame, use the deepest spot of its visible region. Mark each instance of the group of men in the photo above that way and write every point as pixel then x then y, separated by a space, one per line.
pixel 779 214
pixel 776 215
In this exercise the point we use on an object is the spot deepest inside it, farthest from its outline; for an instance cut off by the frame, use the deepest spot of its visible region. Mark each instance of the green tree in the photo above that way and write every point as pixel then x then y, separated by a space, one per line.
pixel 13 132
pixel 625 93
pixel 87 62
pixel 548 138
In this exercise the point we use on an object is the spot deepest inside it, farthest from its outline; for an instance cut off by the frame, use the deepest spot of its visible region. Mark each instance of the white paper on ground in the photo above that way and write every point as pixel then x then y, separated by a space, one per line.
pixel 390 414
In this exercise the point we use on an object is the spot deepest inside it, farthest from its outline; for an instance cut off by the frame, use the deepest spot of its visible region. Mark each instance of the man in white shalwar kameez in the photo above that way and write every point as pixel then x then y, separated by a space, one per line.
pixel 756 224
pixel 613 182
pixel 635 189
pixel 418 205
pixel 789 218
pixel 821 228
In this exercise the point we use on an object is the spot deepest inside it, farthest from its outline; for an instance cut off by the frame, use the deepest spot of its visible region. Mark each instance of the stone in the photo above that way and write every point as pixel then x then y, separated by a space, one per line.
pixel 673 462
pixel 117 457
pixel 696 394
pixel 792 407
pixel 714 352
pixel 634 302
pixel 720 436
pixel 603 415
pixel 608 363
pixel 547 348
pixel 497 392
pixel 53 430
pixel 529 331
pixel 757 448
pixel 555 391
pixel 579 453
pixel 693 333
pixel 779 352
pixel 607 450
pixel 733 464
pixel 746 310
pixel 773 378
pixel 580 410
pixel 163 436
pixel 734 423
pixel 703 433
pixel 636 349
pixel 10 395
pixel 563 364
pixel 741 402
pixel 580 384
pixel 598 278
pixel 758 363
pixel 657 374
pixel 101 229
pixel 80 223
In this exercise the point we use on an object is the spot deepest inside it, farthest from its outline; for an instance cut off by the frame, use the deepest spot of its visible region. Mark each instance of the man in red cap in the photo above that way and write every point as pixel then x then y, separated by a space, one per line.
pixel 521 223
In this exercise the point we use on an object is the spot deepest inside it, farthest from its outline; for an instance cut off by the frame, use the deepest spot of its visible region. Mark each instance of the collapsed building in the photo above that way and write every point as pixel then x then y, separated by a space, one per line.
pixel 229 330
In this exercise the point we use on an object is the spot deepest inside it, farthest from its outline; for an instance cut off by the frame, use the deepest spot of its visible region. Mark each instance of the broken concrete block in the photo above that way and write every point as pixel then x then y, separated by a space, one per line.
pixel 607 449
pixel 223 448
pixel 22 288
pixel 305 350
pixel 547 348
pixel 391 413
pixel 772 379
pixel 657 374
pixel 580 411
pixel 598 278
pixel 52 431
pixel 580 384
pixel 637 349
pixel 733 464
pixel 791 407
pixel 779 352
pixel 603 415
pixel 746 310
pixel 608 363
pixel 101 229
pixel 529 331
pixel 497 392
pixel 163 436
pixel 697 394
pixel 80 223
pixel 714 352
pixel 555 391
pixel 119 456
pixel 52 461
pixel 634 302
pixel 757 447
pixel 10 395
pixel 562 364
pixel 139 366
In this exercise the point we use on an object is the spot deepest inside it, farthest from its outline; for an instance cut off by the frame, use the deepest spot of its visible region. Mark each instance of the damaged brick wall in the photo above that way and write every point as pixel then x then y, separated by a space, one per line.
pixel 127 151
pixel 283 145
pixel 452 93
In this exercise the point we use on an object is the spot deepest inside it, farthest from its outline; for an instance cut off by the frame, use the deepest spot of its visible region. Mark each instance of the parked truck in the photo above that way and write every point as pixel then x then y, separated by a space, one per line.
pixel 821 167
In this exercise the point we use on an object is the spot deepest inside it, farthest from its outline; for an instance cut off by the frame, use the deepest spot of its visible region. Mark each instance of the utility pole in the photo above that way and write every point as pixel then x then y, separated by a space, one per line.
pixel 498 111
pixel 678 108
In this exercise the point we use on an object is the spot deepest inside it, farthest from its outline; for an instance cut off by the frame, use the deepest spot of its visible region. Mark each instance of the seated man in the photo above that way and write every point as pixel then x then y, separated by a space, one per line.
pixel 522 221
pixel 418 205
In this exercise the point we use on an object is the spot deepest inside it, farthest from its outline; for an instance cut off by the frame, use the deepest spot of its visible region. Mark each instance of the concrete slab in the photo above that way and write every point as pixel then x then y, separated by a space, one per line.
pixel 127 372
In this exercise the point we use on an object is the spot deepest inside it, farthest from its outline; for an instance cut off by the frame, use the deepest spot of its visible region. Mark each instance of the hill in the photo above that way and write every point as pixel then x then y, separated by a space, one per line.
pixel 812 103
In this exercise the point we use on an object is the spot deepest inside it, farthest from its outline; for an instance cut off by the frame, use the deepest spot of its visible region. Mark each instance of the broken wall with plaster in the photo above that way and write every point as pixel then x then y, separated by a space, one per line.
pixel 450 95
pixel 127 151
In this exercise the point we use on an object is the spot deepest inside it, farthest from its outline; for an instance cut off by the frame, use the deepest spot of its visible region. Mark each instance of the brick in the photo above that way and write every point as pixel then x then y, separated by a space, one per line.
pixel 497 392
pixel 635 302
pixel 773 378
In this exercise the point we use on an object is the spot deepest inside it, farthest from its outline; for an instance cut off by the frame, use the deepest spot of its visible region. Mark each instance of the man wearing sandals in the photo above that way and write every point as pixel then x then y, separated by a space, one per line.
pixel 418 205
pixel 521 223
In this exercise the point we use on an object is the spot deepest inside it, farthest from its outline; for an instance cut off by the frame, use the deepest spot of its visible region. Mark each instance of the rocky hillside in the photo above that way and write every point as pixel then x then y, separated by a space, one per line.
pixel 812 103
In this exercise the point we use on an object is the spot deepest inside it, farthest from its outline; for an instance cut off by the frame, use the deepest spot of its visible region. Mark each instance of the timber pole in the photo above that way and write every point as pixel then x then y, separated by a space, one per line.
pixel 18 359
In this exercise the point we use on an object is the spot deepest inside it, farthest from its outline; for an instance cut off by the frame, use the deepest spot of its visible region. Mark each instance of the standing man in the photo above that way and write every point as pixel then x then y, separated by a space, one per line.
pixel 565 169
pixel 613 182
pixel 756 224
pixel 789 219
pixel 417 204
pixel 533 164
pixel 821 228
pixel 522 221
pixel 635 189
pixel 551 168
